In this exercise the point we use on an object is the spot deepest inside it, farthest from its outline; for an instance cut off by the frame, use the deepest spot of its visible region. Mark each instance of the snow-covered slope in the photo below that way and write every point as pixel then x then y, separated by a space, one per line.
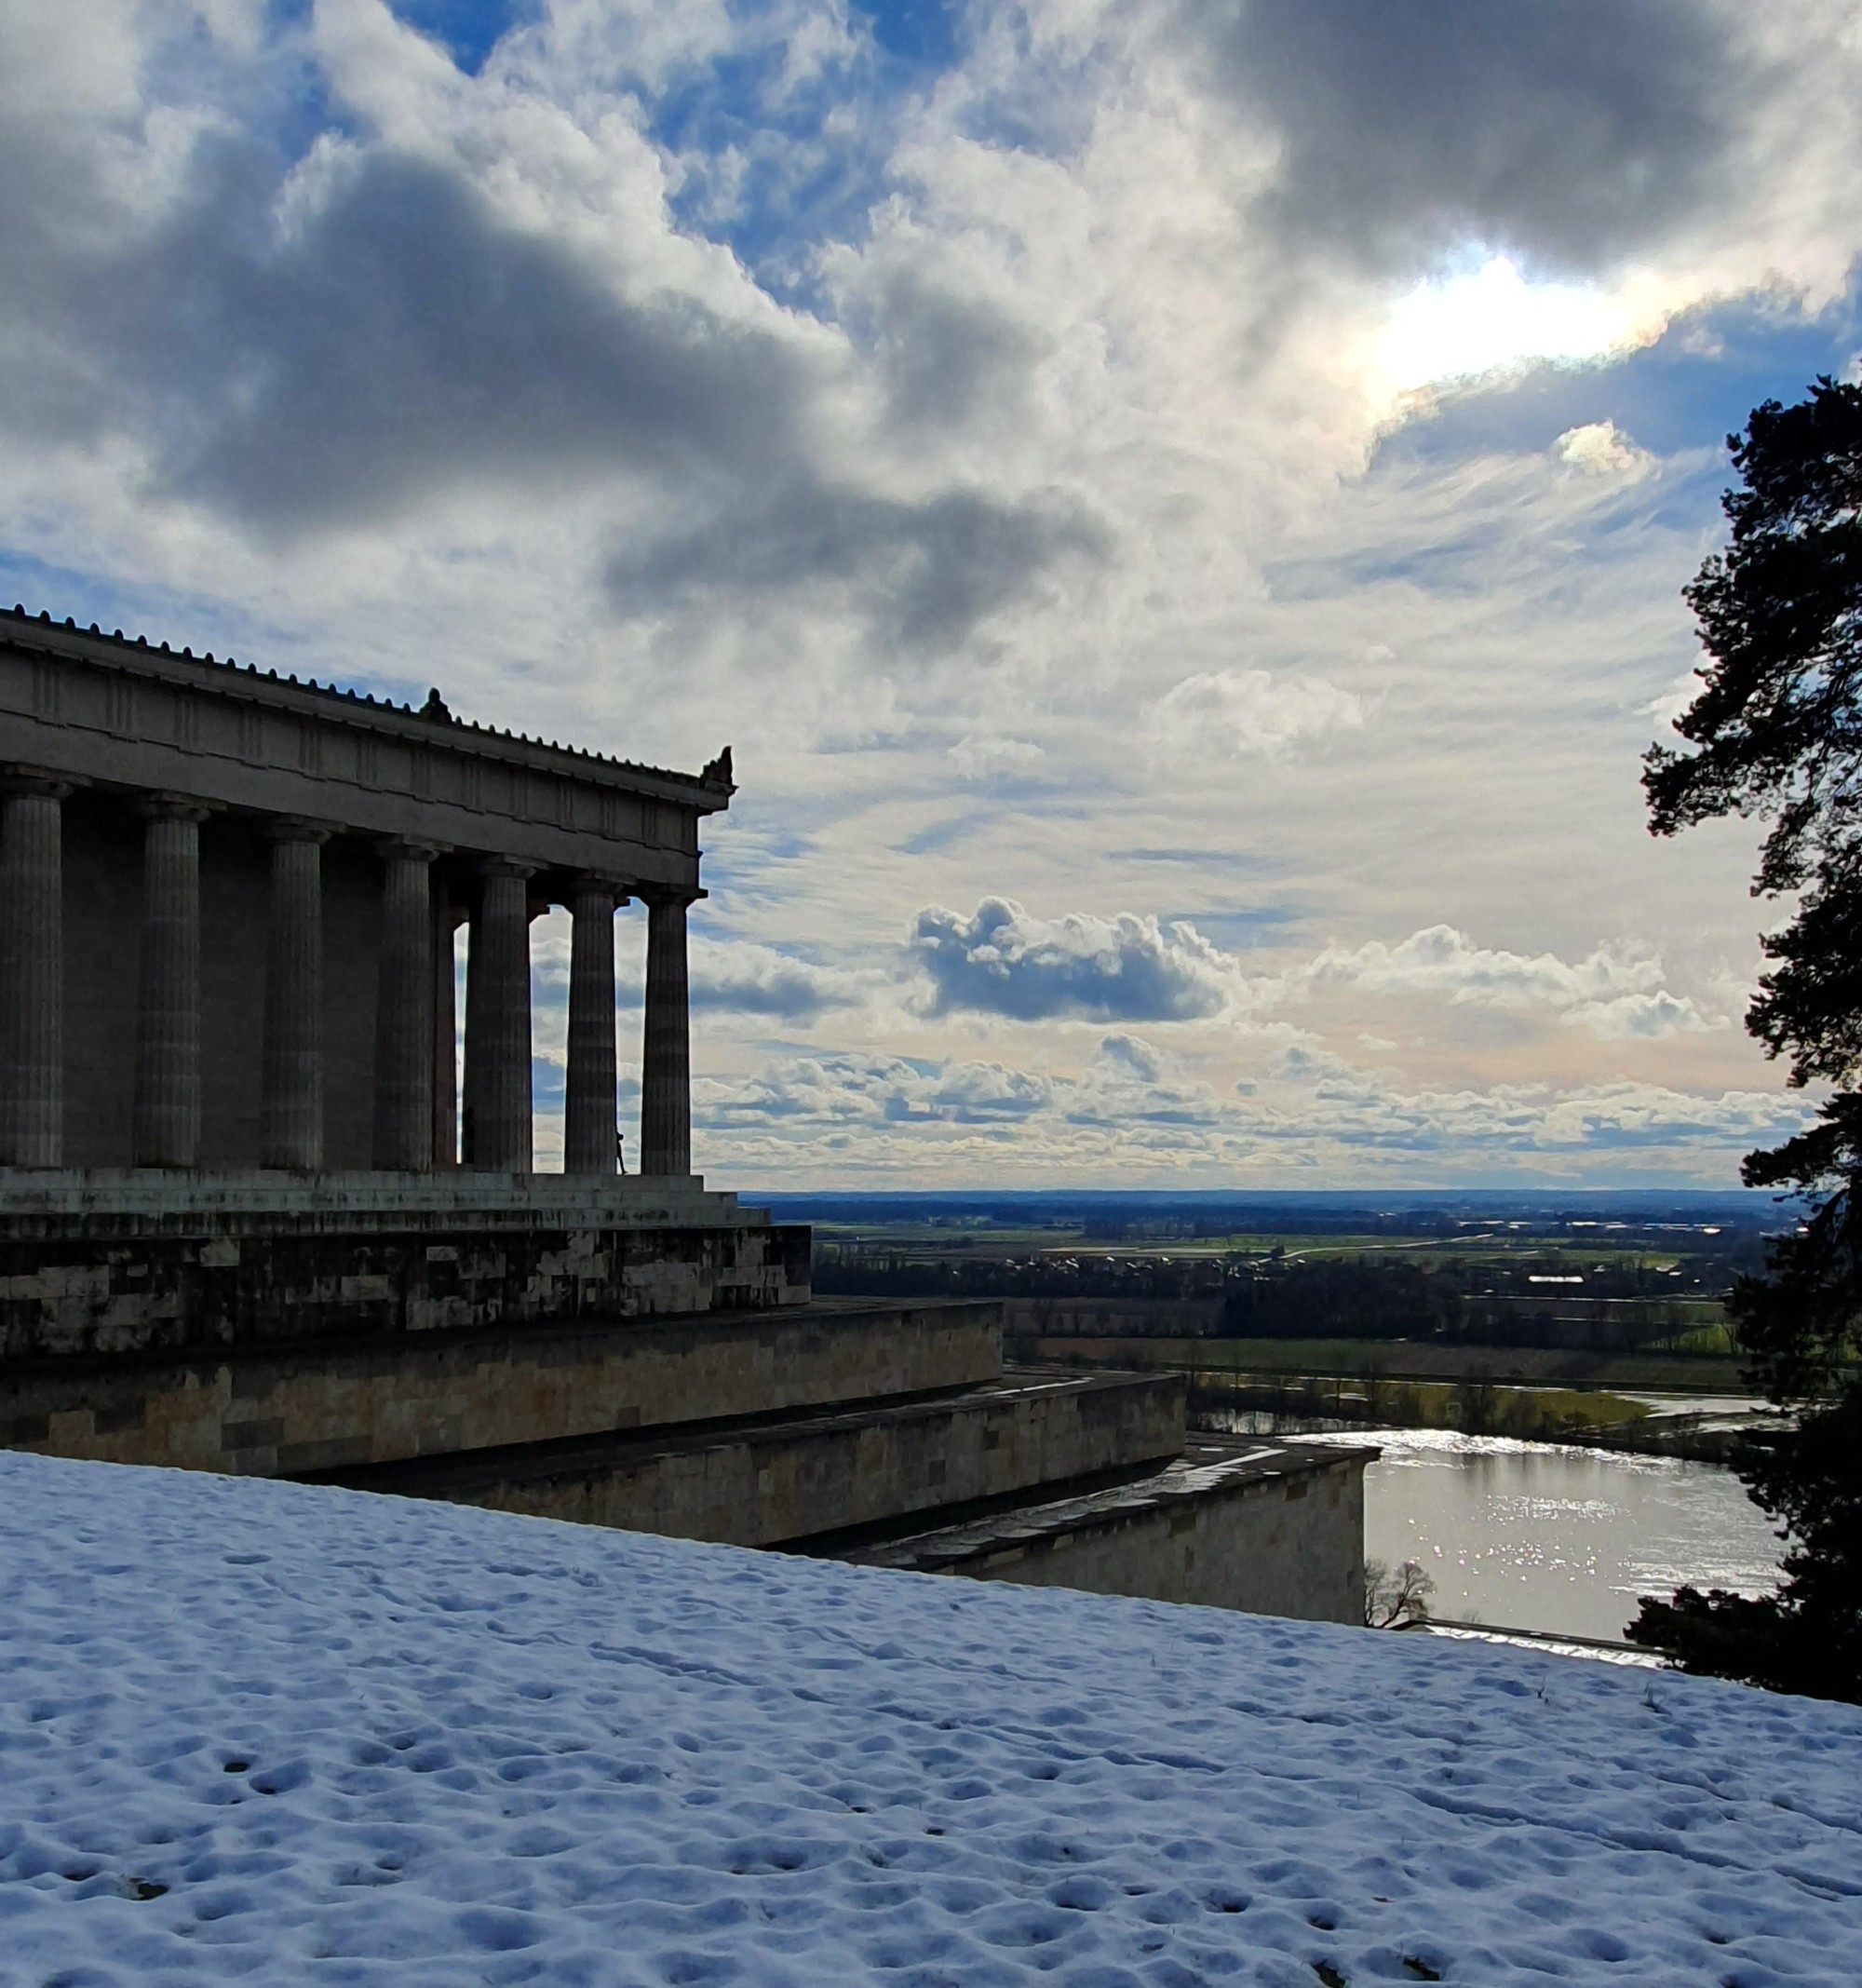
pixel 257 1732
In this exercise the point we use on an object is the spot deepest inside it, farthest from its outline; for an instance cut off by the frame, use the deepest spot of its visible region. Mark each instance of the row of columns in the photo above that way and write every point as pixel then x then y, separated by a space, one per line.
pixel 414 1116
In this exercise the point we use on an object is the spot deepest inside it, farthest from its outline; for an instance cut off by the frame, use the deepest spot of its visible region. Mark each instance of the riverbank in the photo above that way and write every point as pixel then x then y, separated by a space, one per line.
pixel 1395 1359
pixel 1538 1394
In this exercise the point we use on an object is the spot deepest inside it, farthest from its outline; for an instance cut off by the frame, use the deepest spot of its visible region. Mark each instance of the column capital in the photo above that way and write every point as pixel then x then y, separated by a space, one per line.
pixel 33 781
pixel 160 806
pixel 505 866
pixel 656 895
pixel 592 884
pixel 295 828
pixel 407 850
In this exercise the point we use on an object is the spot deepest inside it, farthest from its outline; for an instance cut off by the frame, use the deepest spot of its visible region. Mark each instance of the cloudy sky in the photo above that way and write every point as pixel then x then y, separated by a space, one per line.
pixel 1179 506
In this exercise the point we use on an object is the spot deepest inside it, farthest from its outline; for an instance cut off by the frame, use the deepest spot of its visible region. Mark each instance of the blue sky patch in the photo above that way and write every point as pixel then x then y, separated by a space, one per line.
pixel 468 30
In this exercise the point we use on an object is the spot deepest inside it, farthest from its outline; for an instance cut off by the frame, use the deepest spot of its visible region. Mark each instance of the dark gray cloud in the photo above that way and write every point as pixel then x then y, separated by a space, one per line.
pixel 398 340
pixel 925 571
pixel 401 340
pixel 792 990
pixel 948 360
pixel 1002 961
pixel 1569 130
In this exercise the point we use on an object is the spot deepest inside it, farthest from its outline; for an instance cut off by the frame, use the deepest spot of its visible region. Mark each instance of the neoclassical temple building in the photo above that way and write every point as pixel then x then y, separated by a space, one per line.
pixel 246 1224
pixel 228 914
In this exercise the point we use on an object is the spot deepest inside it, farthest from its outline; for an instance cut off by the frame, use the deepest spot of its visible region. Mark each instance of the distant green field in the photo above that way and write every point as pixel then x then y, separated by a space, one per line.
pixel 920 1239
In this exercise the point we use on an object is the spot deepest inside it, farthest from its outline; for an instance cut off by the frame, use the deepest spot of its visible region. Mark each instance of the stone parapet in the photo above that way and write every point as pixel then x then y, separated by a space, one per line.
pixel 288 1409
pixel 1274 1528
pixel 806 1477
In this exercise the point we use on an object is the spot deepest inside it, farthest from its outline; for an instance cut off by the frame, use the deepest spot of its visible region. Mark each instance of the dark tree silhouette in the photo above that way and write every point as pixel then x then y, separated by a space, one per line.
pixel 1778 732
pixel 1395 1597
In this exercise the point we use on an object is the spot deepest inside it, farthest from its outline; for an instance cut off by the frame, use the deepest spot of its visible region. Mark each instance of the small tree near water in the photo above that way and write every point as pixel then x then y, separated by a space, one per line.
pixel 1394 1598
pixel 1776 732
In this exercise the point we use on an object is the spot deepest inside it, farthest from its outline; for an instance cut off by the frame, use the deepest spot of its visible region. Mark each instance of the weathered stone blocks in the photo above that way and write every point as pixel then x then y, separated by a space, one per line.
pixel 809 1476
pixel 284 1410
pixel 98 1295
pixel 1276 1529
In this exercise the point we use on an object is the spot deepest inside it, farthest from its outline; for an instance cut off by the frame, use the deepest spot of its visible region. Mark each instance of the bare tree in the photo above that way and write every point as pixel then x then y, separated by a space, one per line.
pixel 1395 1598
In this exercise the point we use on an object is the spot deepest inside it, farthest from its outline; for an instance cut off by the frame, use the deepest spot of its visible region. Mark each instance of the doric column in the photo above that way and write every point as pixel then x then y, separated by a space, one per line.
pixel 445 1033
pixel 167 1013
pixel 31 971
pixel 291 1116
pixel 497 1023
pixel 589 1097
pixel 666 1058
pixel 404 1030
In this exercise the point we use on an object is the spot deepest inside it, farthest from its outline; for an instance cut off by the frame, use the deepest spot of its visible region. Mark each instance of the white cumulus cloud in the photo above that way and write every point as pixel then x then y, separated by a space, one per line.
pixel 1600 449
pixel 1614 992
pixel 1003 960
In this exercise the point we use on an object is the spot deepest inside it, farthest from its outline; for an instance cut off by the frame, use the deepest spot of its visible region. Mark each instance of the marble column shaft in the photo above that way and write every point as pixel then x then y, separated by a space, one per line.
pixel 168 1012
pixel 665 1075
pixel 497 1022
pixel 291 1118
pixel 589 1097
pixel 404 1030
pixel 32 974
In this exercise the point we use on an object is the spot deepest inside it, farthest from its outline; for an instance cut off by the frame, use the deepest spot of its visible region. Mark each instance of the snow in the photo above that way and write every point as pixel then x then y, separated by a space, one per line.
pixel 262 1732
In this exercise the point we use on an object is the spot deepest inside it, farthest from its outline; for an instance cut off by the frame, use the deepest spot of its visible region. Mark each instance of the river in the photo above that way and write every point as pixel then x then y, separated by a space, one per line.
pixel 1542 1536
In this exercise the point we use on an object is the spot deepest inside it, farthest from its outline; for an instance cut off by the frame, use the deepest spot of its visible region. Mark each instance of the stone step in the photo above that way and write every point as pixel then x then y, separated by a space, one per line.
pixel 1272 1528
pixel 785 1481
pixel 314 1406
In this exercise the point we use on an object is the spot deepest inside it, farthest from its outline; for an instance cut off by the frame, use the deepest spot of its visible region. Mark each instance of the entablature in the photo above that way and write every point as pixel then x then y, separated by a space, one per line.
pixel 115 713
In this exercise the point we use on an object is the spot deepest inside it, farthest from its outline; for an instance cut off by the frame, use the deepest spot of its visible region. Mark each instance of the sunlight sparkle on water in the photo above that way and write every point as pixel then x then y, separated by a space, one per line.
pixel 1562 1540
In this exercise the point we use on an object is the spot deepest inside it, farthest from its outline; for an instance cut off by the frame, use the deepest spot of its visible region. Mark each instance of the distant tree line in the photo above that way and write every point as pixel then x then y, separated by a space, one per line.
pixel 1461 1301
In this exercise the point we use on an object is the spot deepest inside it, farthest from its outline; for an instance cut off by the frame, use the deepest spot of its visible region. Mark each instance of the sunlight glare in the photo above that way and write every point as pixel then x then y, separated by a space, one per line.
pixel 1492 318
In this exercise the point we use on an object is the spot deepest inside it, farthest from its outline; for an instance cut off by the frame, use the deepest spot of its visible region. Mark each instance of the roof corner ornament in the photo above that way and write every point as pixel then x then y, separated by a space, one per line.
pixel 435 710
pixel 718 773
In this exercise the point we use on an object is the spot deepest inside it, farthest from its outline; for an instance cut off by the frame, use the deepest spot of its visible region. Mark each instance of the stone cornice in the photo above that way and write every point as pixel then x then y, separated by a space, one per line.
pixel 124 717
pixel 327 703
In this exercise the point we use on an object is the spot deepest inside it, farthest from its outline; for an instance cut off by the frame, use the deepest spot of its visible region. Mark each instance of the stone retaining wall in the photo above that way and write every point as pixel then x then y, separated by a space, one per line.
pixel 766 1486
pixel 1276 1530
pixel 272 1412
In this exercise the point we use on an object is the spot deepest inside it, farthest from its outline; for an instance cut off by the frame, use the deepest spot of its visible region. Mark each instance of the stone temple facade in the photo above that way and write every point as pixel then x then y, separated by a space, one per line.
pixel 250 1221
pixel 228 909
